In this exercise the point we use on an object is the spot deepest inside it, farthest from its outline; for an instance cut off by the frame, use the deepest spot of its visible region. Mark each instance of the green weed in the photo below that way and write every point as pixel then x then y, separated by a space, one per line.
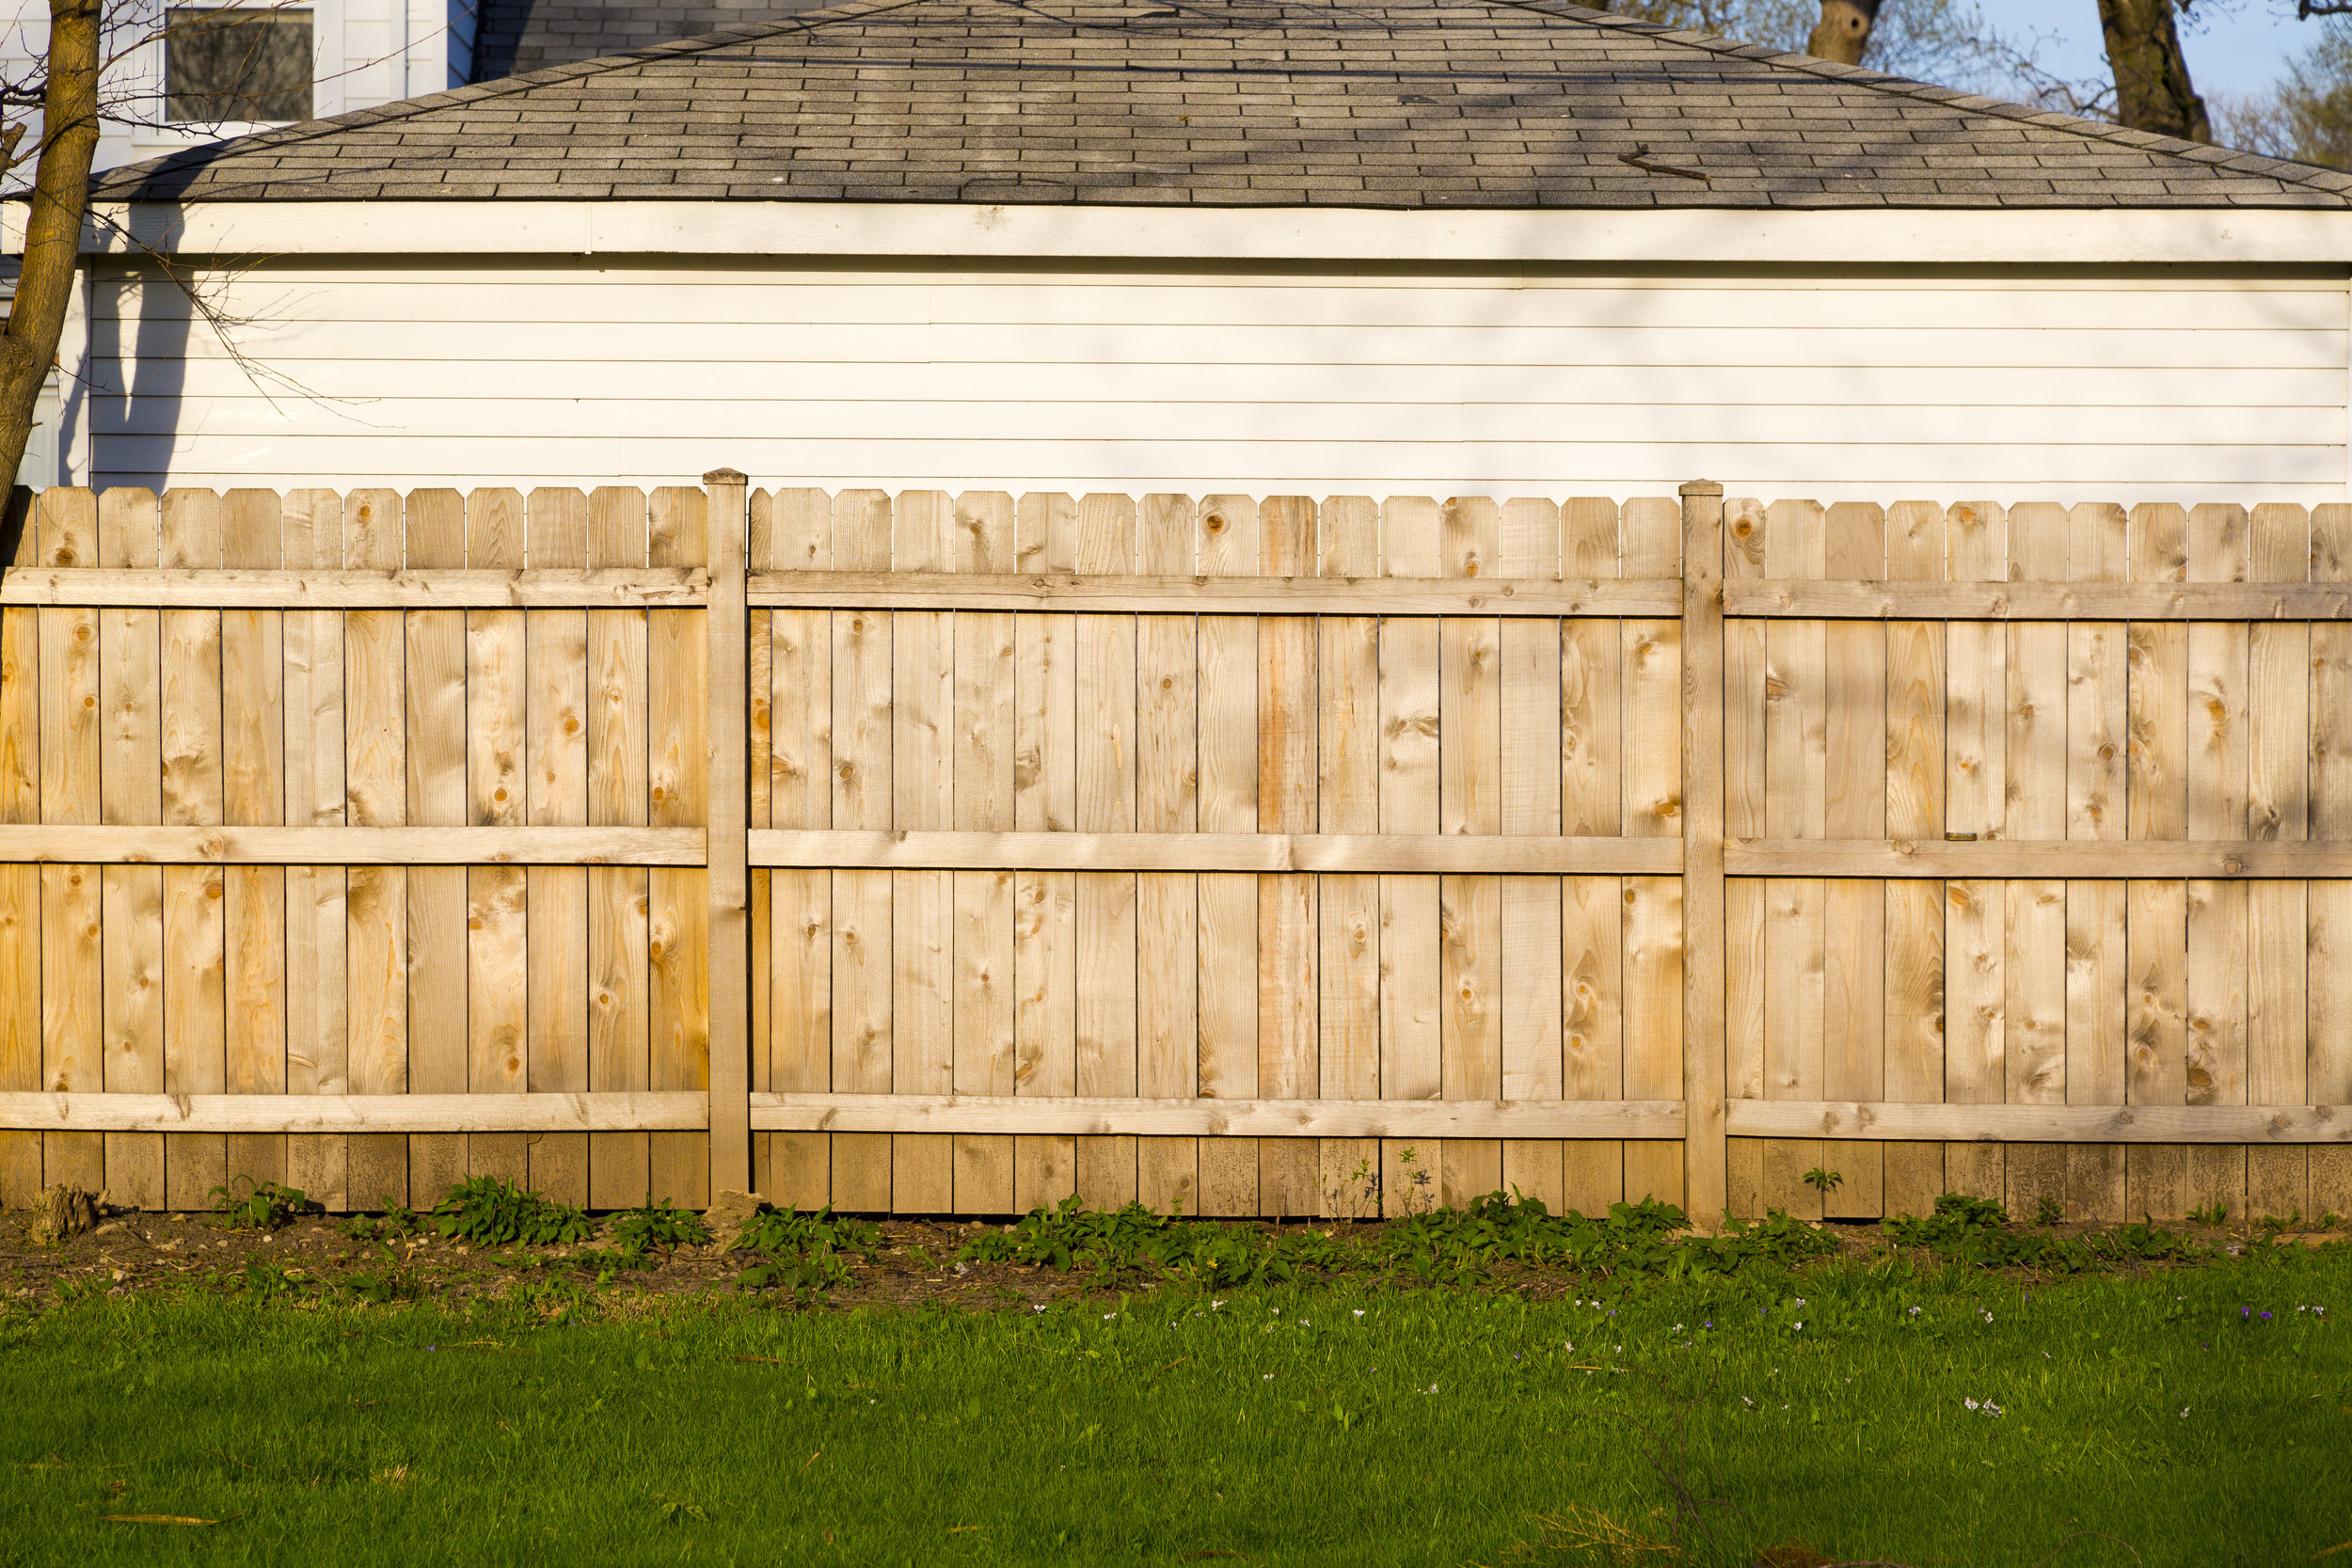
pixel 488 1211
pixel 806 1254
pixel 397 1223
pixel 1975 1231
pixel 242 1206
pixel 661 1225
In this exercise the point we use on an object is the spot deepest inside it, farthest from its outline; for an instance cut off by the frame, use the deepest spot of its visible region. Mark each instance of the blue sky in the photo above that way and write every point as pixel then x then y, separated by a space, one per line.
pixel 2240 50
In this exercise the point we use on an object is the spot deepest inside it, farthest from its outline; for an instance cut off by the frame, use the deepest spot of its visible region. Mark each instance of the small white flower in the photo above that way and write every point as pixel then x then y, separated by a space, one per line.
pixel 1108 1315
pixel 1359 1311
pixel 1037 1308
pixel 2185 1413
pixel 1800 1328
pixel 1215 1306
pixel 1970 1404
pixel 1277 1311
pixel 1269 1377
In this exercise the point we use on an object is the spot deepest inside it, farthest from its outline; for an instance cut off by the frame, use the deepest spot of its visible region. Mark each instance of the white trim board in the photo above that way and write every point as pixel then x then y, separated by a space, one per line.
pixel 1851 236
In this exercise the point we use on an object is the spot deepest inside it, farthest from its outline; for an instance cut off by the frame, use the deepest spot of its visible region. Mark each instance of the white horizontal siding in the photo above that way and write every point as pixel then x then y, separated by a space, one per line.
pixel 2015 386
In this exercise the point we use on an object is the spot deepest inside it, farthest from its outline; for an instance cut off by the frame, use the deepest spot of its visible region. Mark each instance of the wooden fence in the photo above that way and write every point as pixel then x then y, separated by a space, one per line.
pixel 943 854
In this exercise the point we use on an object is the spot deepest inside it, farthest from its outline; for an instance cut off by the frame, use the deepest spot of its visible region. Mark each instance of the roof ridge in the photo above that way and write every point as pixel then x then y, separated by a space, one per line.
pixel 2213 155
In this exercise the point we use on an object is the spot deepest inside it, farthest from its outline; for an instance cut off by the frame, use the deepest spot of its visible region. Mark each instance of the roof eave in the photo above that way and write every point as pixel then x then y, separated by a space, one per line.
pixel 2319 234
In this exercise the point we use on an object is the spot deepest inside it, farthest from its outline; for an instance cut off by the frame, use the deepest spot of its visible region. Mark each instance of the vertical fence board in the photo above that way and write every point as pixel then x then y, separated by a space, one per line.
pixel 376 908
pixel 1592 919
pixel 1408 763
pixel 1532 951
pixel 800 903
pixel 1289 987
pixel 861 899
pixel 20 885
pixel 555 794
pixel 435 752
pixel 194 1022
pixel 1469 913
pixel 982 540
pixel 922 723
pixel 497 972
pixel 1656 775
pixel 677 654
pixel 1227 544
pixel 1168 918
pixel 130 660
pixel 619 975
pixel 317 896
pixel 2329 993
pixel 1045 799
pixel 1853 1006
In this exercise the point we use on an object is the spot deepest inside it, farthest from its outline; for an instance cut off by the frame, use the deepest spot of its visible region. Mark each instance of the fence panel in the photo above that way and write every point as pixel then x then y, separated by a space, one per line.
pixel 1245 856
pixel 2102 730
pixel 314 768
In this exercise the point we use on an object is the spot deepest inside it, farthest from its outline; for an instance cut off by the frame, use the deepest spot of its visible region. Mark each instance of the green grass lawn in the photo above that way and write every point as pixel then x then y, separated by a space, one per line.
pixel 2196 1415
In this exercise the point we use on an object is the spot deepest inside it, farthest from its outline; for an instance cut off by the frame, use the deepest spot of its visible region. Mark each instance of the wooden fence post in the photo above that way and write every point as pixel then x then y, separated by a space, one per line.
pixel 1705 1177
pixel 729 950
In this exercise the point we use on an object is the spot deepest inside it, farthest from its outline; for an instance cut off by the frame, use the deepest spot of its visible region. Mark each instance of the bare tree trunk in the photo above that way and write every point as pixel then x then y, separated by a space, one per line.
pixel 1843 34
pixel 2151 86
pixel 53 229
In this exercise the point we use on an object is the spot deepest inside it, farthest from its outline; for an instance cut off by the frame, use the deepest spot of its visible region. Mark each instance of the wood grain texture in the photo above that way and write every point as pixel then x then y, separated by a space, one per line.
pixel 1653 785
pixel 185 585
pixel 19 889
pixel 677 653
pixel 983 539
pixel 799 793
pixel 727 882
pixel 2328 993
pixel 1227 543
pixel 1126 1116
pixel 1117 590
pixel 1998 600
pixel 1704 750
pixel 375 770
pixel 1289 955
pixel 1410 988
pixel 1045 799
pixel 435 750
pixel 317 898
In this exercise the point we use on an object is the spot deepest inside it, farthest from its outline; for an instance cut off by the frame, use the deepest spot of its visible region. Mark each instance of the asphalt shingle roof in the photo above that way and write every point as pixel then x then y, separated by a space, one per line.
pixel 1468 103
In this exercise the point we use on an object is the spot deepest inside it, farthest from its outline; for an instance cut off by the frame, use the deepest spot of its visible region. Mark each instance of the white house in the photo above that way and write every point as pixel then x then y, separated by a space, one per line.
pixel 1441 247
pixel 187 75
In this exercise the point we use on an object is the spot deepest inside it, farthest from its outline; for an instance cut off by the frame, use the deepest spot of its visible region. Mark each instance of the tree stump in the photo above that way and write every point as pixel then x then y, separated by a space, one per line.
pixel 65 1211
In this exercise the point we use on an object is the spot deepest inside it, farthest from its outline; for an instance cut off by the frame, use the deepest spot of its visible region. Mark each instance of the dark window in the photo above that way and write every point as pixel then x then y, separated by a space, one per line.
pixel 236 63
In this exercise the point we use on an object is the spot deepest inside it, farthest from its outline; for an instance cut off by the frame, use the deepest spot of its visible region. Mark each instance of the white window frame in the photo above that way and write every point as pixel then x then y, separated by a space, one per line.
pixel 145 63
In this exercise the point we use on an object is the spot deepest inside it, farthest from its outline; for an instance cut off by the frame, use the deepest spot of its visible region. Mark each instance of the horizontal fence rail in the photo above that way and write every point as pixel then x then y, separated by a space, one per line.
pixel 549 587
pixel 932 854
